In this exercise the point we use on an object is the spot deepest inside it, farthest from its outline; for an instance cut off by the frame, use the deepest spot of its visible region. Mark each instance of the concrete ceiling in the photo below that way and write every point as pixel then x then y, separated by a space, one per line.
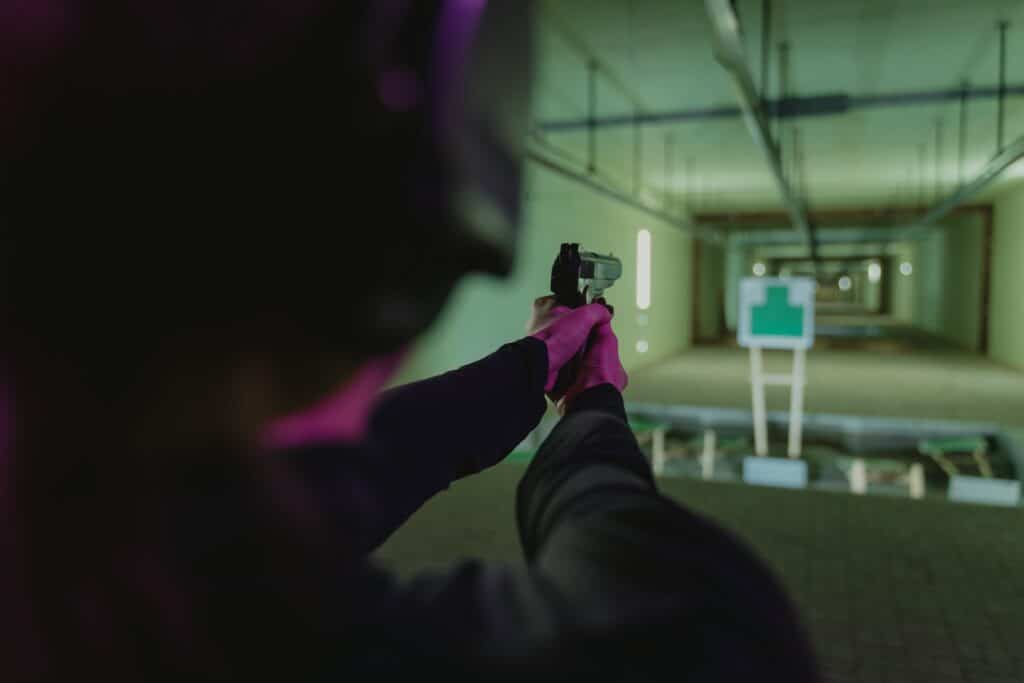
pixel 660 50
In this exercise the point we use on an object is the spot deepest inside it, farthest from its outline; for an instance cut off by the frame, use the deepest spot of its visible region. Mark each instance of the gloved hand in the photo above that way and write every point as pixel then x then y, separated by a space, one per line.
pixel 601 365
pixel 563 330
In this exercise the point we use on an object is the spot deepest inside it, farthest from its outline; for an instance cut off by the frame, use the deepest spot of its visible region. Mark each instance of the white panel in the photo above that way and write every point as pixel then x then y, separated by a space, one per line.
pixel 964 489
pixel 765 471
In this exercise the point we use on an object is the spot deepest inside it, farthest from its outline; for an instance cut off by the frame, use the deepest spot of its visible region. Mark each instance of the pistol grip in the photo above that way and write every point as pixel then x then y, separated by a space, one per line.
pixel 566 376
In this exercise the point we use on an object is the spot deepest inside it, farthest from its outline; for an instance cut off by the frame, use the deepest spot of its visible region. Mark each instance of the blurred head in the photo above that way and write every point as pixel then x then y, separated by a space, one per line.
pixel 203 198
pixel 309 175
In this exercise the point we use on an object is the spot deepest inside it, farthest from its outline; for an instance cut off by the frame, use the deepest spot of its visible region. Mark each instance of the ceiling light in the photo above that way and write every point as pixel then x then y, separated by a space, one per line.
pixel 643 269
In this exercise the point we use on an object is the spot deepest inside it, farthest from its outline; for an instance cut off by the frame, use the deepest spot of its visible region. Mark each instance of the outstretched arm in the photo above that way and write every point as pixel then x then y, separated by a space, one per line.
pixel 474 416
pixel 469 418
pixel 427 434
pixel 621 583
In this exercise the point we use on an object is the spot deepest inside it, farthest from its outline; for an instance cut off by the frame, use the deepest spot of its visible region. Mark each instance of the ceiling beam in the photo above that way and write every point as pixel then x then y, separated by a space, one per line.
pixel 843 235
pixel 728 48
pixel 841 261
pixel 824 218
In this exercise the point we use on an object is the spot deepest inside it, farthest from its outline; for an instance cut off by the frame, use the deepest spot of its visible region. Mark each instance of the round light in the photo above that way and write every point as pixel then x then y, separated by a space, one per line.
pixel 641 346
pixel 874 272
pixel 845 283
pixel 906 268
pixel 759 269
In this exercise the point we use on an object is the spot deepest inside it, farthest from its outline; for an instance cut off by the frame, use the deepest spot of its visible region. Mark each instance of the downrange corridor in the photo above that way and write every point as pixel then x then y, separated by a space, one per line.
pixel 925 379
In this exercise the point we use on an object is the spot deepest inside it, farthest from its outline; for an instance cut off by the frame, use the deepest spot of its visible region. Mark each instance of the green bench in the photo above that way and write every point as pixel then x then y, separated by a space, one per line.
pixel 951 453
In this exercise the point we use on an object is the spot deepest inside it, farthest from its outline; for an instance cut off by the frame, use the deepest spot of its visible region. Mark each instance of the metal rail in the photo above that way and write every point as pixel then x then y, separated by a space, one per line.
pixel 830 104
pixel 1012 153
pixel 728 47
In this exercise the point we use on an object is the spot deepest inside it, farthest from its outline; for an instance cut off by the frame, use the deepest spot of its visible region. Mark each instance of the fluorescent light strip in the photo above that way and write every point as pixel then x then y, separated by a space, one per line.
pixel 643 270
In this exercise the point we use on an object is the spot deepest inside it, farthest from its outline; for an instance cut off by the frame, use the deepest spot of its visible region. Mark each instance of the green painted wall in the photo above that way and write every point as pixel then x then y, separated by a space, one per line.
pixel 947 291
pixel 737 267
pixel 485 313
pixel 711 291
pixel 1006 312
pixel 928 286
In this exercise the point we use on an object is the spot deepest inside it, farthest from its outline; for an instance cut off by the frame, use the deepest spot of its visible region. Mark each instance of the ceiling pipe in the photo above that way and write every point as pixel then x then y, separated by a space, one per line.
pixel 766 47
pixel 1001 116
pixel 1012 153
pixel 728 48
pixel 686 224
pixel 786 108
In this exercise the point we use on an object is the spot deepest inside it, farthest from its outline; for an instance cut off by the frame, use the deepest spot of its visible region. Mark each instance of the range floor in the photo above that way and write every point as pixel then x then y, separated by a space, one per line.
pixel 892 590
pixel 876 377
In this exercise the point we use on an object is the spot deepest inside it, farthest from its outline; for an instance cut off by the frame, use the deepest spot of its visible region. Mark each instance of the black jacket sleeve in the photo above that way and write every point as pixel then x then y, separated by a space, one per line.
pixel 467 419
pixel 423 436
pixel 621 583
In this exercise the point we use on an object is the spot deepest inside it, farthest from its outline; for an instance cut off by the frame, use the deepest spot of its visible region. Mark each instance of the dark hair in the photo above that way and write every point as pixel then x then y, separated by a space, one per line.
pixel 182 170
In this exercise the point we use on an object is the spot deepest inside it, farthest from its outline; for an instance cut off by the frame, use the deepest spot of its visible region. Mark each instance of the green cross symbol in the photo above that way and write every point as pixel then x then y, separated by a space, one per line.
pixel 776 317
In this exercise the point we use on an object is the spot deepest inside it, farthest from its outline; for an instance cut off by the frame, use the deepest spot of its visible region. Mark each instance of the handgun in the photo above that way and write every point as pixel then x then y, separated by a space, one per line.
pixel 579 278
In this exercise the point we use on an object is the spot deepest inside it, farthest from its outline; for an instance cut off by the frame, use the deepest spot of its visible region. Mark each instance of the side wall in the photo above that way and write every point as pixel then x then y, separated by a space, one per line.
pixel 1006 311
pixel 485 313
pixel 711 291
pixel 947 291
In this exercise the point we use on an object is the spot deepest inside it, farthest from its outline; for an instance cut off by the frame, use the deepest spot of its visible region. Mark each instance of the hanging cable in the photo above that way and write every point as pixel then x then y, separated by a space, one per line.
pixel 591 116
pixel 963 134
pixel 1001 116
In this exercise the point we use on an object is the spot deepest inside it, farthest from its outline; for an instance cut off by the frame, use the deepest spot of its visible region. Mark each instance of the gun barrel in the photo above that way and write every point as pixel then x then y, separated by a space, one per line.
pixel 600 267
pixel 599 271
pixel 577 272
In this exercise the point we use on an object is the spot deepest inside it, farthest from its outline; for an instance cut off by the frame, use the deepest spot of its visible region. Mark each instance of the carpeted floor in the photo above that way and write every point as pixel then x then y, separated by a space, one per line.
pixel 892 590
pixel 865 377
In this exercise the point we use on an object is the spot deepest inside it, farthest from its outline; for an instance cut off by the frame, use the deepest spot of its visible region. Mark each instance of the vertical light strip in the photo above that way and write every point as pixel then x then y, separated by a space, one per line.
pixel 643 270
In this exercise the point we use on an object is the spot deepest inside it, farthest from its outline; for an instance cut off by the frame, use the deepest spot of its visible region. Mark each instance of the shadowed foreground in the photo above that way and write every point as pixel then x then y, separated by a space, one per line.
pixel 891 589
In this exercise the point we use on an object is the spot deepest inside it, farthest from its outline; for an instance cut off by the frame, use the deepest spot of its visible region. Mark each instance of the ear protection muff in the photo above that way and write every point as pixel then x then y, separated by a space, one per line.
pixel 449 87
pixel 481 121
pixel 462 92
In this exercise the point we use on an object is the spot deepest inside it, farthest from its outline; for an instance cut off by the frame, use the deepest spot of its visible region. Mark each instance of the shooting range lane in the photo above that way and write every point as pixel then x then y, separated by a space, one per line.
pixel 936 597
pixel 935 382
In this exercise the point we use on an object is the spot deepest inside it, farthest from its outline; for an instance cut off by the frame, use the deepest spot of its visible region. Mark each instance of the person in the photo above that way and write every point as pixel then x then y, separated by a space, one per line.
pixel 224 223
